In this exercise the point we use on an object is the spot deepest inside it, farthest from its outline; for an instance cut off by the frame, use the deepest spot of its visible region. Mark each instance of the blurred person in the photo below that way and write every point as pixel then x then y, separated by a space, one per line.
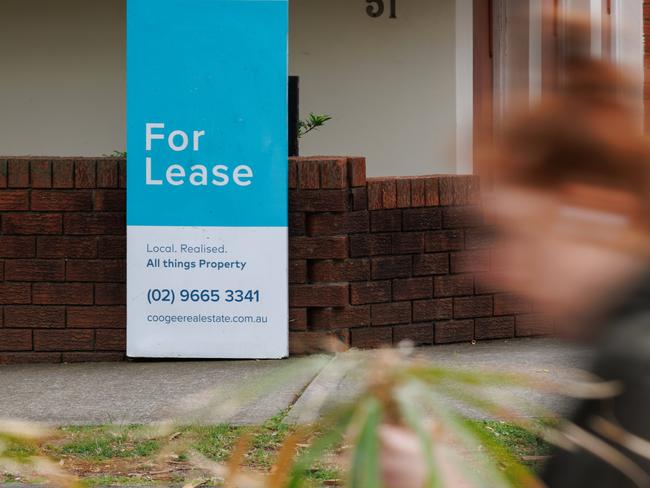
pixel 572 207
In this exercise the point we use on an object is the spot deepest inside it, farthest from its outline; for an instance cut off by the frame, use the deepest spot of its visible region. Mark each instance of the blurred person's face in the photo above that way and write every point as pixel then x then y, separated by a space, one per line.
pixel 568 250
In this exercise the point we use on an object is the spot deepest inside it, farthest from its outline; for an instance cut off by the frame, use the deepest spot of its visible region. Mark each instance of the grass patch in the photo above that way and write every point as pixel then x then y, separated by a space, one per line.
pixel 524 445
pixel 106 442
pixel 113 455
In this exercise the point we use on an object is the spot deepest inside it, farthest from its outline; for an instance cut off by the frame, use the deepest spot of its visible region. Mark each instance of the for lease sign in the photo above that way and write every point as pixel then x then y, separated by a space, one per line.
pixel 207 178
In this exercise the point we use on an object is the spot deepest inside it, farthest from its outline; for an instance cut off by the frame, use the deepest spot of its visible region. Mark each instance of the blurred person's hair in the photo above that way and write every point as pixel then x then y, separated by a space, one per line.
pixel 584 132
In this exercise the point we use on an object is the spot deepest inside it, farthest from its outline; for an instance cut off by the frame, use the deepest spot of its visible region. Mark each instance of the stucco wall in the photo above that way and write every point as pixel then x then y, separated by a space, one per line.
pixel 62 88
pixel 388 83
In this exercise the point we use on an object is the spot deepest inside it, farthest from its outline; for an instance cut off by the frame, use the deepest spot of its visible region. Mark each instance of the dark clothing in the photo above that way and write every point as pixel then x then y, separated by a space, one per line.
pixel 623 355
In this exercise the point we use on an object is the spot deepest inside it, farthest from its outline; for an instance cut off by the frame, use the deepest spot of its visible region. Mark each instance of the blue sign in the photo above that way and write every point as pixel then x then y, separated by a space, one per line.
pixel 207 111
pixel 207 178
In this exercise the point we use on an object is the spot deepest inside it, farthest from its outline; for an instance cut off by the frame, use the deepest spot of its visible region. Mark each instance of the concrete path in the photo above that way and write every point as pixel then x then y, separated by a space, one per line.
pixel 135 392
pixel 237 391
pixel 542 359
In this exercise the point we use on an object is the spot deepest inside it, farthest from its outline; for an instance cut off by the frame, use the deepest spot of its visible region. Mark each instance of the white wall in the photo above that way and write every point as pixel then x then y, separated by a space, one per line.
pixel 389 84
pixel 62 81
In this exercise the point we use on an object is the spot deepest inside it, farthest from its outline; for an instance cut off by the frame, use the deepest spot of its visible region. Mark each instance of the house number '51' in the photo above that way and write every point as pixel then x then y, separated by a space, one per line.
pixel 376 8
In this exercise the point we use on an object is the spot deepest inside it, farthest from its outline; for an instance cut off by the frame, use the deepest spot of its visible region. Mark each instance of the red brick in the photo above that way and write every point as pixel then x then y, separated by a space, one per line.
pixel 495 328
pixel 3 173
pixel 13 200
pixel 318 341
pixel 110 294
pixel 479 238
pixel 453 285
pixel 443 240
pixel 297 271
pixel 391 267
pixel 96 270
pixel 334 295
pixel 110 201
pixel 17 247
pixel 533 325
pixel 15 293
pixel 440 309
pixel 297 223
pixel 510 304
pixel 338 318
pixel 121 173
pixel 371 338
pixel 308 174
pixel 328 224
pixel 431 192
pixel 63 293
pixel 430 264
pixel 370 245
pixel 370 292
pixel 318 200
pixel 408 242
pixel 471 307
pixel 18 173
pixel 15 340
pixel 424 191
pixel 95 224
pixel 31 224
pixel 454 331
pixel 386 221
pixel 461 217
pixel 382 193
pixel 112 247
pixel 359 198
pixel 110 340
pixel 64 340
pixel 61 200
pixel 84 174
pixel 293 173
pixel 334 173
pixel 412 288
pixel 62 174
pixel 30 357
pixel 66 247
pixel 318 247
pixel 334 271
pixel 297 319
pixel 107 173
pixel 421 219
pixel 418 192
pixel 34 270
pixel 357 171
pixel 489 283
pixel 470 262
pixel 92 357
pixel 391 313
pixel 403 189
pixel 418 334
pixel 459 190
pixel 36 317
pixel 96 317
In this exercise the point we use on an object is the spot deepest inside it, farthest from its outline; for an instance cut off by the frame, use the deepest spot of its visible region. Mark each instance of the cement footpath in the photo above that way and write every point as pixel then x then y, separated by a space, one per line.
pixel 239 392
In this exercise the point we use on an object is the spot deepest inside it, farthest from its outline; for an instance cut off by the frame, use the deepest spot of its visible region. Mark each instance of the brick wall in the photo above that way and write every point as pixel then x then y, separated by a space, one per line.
pixel 371 262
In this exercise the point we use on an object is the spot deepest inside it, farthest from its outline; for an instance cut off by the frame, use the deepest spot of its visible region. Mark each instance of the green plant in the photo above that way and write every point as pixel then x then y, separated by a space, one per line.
pixel 116 154
pixel 312 122
pixel 425 405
